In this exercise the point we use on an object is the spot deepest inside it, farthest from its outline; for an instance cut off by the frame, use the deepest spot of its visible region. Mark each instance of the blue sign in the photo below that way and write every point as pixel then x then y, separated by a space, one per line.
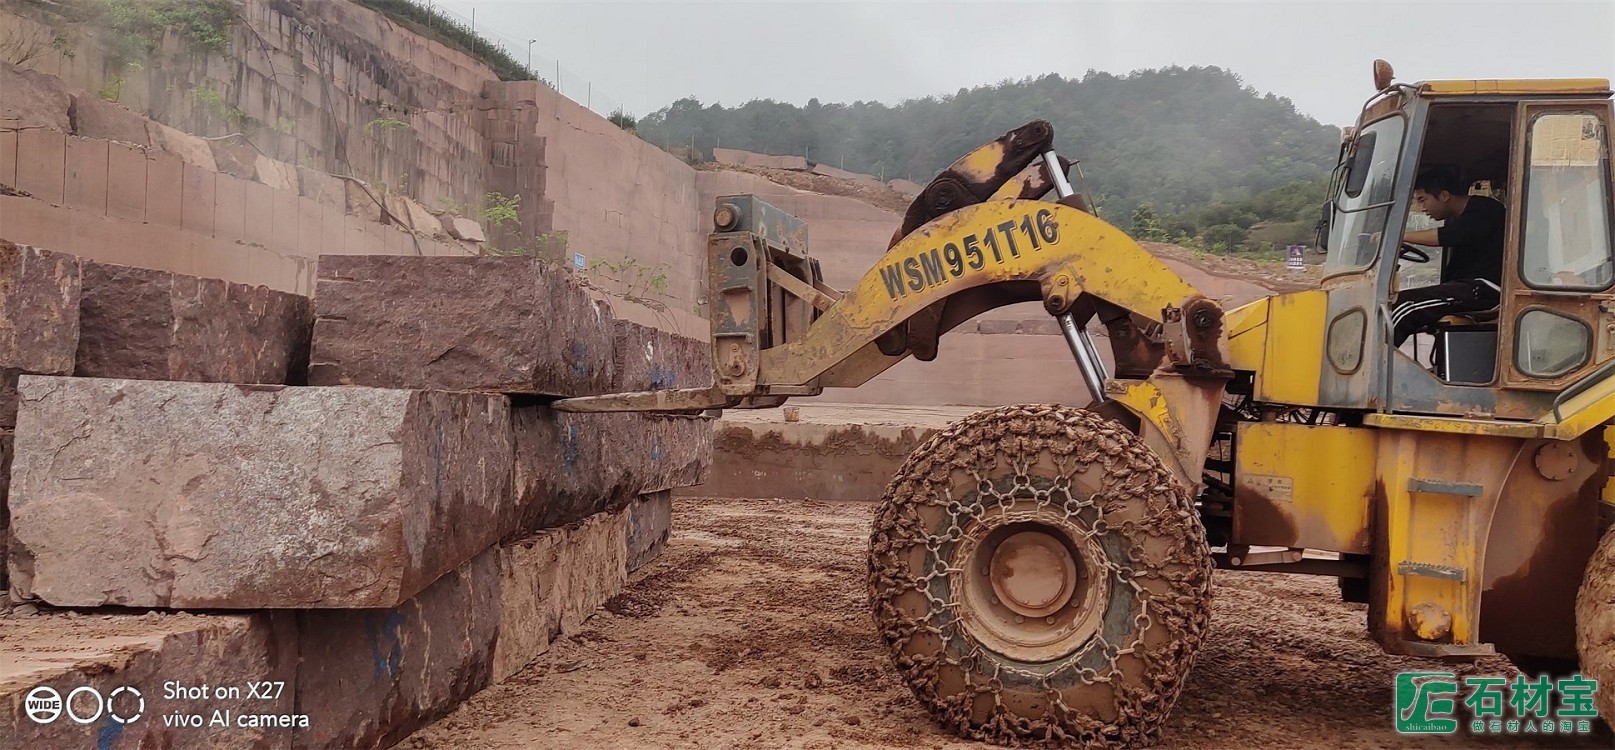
pixel 1295 261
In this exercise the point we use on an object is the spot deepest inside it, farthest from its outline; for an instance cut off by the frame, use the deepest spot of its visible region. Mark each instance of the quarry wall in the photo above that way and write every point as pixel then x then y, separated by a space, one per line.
pixel 324 127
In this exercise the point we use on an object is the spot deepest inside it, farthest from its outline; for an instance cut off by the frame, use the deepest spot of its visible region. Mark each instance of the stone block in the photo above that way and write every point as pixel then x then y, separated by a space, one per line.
pixel 1041 327
pixel 8 398
pixel 94 117
pixel 998 327
pixel 650 523
pixel 235 156
pixel 508 325
pixel 906 187
pixel 197 196
pixel 33 100
pixel 277 174
pixel 5 470
pixel 86 184
pixel 8 157
pixel 809 461
pixel 41 164
pixel 126 182
pixel 162 494
pixel 661 452
pixel 230 207
pixel 551 582
pixel 5 486
pixel 829 171
pixel 310 225
pixel 258 224
pixel 651 359
pixel 461 228
pixel 333 229
pixel 165 181
pixel 191 149
pixel 420 219
pixel 142 653
pixel 147 324
pixel 370 677
pixel 39 315
pixel 564 470
pixel 361 202
pixel 286 212
pixel 571 466
pixel 320 187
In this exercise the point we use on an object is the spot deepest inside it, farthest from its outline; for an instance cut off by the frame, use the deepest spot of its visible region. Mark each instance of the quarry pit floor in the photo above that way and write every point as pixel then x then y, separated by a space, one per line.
pixel 753 631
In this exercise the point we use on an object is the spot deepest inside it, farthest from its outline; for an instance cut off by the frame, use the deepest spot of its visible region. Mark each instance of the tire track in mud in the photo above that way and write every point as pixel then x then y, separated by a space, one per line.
pixel 753 631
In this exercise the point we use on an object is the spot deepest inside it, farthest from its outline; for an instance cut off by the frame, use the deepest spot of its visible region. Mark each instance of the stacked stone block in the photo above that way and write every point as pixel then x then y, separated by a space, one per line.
pixel 39 329
pixel 412 526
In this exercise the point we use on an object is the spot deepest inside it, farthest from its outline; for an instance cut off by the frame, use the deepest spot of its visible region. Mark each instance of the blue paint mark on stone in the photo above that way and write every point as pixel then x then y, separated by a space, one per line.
pixel 580 359
pixel 569 447
pixel 386 647
pixel 662 376
pixel 656 451
pixel 111 730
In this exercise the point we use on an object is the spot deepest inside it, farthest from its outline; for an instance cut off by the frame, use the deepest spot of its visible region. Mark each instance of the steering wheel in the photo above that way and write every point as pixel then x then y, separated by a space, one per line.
pixel 1413 253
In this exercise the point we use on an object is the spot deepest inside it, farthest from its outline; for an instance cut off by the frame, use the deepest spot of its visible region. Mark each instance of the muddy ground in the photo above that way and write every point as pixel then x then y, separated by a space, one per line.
pixel 753 631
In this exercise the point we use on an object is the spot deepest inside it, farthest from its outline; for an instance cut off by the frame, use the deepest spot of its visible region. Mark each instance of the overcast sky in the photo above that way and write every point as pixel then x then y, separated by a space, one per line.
pixel 645 55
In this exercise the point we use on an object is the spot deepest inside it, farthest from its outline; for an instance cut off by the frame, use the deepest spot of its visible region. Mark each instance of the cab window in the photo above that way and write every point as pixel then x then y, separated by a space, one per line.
pixel 1566 241
pixel 1364 202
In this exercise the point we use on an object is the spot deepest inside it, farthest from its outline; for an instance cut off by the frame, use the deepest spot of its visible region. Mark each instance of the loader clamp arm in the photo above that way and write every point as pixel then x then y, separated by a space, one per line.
pixel 976 238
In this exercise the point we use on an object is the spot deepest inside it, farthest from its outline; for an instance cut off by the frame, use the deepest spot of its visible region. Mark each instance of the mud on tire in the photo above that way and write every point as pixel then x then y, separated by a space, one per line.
pixel 1595 624
pixel 1090 648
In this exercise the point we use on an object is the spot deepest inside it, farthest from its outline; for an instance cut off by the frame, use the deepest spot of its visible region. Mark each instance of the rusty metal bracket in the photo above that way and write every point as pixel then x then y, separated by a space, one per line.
pixel 1240 556
pixel 1431 570
pixel 800 288
pixel 680 399
pixel 1344 568
pixel 1193 336
pixel 827 290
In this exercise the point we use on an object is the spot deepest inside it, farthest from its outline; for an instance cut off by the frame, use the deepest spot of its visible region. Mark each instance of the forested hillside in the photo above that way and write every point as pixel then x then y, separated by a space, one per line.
pixel 1181 140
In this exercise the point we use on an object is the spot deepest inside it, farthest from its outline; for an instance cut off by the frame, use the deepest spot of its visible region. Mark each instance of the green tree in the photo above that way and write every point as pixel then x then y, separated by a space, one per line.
pixel 1179 139
pixel 1223 237
pixel 1145 225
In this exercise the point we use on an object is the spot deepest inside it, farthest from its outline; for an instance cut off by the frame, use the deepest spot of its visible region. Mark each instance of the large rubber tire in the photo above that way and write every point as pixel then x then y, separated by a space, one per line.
pixel 1106 668
pixel 1595 624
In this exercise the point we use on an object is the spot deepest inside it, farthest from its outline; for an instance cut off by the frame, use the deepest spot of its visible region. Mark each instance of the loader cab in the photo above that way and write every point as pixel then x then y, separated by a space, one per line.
pixel 1542 149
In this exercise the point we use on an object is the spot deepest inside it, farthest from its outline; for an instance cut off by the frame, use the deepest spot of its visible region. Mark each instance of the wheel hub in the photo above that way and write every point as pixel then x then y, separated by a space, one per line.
pixel 1032 589
pixel 1033 573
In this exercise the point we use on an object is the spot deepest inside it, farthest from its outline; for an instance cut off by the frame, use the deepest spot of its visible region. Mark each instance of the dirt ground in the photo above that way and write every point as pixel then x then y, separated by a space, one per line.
pixel 753 631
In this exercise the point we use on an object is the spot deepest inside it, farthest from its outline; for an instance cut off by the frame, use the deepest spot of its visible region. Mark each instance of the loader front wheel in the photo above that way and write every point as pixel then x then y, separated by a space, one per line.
pixel 1039 575
pixel 1595 624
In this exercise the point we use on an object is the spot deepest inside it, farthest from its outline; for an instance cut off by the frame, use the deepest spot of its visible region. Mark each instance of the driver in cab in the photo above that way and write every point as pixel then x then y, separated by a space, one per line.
pixel 1472 266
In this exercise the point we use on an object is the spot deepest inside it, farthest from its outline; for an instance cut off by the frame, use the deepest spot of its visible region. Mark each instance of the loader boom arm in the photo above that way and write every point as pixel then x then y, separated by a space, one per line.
pixel 975 239
pixel 972 260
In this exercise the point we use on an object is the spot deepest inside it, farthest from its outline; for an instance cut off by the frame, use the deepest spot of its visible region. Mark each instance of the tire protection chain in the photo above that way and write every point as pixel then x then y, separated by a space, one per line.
pixel 1132 475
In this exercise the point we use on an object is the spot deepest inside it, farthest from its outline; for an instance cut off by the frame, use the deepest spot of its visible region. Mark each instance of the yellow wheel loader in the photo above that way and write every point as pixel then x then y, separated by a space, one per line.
pixel 1042 572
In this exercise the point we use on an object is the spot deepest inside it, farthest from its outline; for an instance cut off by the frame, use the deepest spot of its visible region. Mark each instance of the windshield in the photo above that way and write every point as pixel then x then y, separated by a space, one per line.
pixel 1364 201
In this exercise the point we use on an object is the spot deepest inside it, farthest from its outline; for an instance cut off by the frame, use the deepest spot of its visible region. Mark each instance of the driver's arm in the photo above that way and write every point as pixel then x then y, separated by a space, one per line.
pixel 1426 237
